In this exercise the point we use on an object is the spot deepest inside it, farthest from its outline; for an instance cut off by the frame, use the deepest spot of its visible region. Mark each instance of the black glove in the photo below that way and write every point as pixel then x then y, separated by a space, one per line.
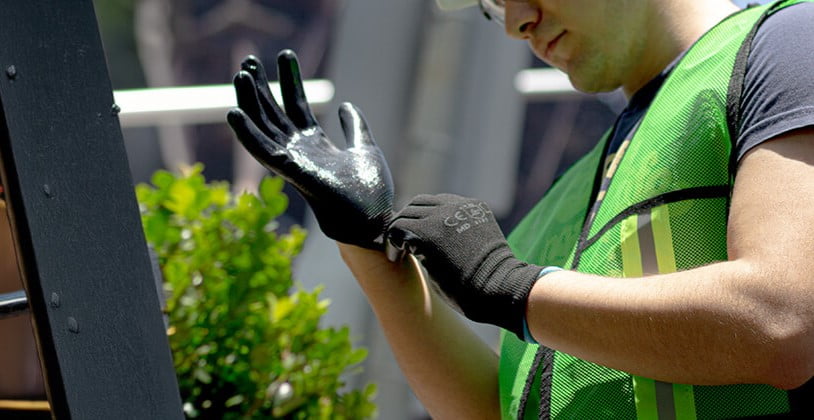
pixel 350 191
pixel 460 244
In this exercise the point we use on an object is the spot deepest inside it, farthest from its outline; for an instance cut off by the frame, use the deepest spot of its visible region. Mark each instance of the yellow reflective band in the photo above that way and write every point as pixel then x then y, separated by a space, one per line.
pixel 663 239
pixel 631 256
pixel 644 391
pixel 617 158
pixel 684 398
pixel 647 248
pixel 683 395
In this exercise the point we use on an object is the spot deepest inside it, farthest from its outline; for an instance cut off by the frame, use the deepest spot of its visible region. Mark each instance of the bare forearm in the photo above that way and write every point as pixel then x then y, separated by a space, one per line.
pixel 710 325
pixel 449 368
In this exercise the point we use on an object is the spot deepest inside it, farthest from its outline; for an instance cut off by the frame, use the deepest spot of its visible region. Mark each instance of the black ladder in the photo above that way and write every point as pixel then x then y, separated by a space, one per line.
pixel 83 259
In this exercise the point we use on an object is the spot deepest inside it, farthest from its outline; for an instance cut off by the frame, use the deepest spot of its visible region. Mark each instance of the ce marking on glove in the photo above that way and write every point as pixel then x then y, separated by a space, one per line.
pixel 467 216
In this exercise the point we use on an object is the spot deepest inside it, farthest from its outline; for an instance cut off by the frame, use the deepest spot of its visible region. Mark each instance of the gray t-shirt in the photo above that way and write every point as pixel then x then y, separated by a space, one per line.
pixel 778 92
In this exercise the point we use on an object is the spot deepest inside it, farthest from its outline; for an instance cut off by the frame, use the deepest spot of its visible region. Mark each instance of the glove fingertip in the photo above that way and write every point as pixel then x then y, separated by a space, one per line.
pixel 236 117
pixel 346 121
pixel 251 62
pixel 355 125
pixel 288 65
pixel 286 55
pixel 291 86
pixel 345 110
pixel 351 112
pixel 243 80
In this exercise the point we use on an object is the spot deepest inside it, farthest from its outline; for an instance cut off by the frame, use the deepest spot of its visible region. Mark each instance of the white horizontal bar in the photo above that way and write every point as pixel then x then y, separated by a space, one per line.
pixel 536 84
pixel 198 104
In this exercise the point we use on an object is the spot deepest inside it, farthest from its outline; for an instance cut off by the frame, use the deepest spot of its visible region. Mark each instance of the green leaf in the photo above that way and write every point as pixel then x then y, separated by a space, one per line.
pixel 271 193
pixel 236 400
pixel 155 227
pixel 182 196
pixel 202 375
pixel 270 188
pixel 236 323
pixel 162 179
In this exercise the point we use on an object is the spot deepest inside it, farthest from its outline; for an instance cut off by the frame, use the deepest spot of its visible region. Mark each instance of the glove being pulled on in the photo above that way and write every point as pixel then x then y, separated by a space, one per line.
pixel 350 190
pixel 459 242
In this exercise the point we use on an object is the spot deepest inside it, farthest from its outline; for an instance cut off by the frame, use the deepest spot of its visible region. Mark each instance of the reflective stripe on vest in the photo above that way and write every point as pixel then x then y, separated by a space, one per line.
pixel 647 249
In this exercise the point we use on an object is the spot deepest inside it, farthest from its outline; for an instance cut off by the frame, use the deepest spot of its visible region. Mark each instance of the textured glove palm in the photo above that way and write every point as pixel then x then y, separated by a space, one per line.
pixel 467 257
pixel 351 190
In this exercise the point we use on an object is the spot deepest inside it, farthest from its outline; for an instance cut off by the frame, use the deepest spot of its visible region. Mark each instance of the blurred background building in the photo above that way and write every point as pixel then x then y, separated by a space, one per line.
pixel 446 95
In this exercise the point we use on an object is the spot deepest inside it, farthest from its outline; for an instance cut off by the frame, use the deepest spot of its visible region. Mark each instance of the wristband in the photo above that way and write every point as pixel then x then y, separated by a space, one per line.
pixel 527 337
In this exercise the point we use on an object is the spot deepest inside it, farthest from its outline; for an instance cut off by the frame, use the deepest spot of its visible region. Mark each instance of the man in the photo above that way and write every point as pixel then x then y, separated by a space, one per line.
pixel 665 275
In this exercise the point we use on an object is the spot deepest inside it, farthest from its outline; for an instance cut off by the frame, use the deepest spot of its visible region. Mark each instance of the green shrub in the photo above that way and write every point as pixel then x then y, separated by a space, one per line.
pixel 246 343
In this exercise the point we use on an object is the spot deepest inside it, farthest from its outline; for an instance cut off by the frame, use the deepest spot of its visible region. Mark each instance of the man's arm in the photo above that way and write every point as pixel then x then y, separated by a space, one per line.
pixel 746 320
pixel 449 368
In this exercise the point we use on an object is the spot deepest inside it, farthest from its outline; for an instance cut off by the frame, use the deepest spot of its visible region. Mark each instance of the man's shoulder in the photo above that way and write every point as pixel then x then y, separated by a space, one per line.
pixel 788 23
pixel 778 93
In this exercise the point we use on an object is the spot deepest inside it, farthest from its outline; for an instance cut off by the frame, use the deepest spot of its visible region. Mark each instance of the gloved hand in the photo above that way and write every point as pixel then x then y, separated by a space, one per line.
pixel 351 190
pixel 459 242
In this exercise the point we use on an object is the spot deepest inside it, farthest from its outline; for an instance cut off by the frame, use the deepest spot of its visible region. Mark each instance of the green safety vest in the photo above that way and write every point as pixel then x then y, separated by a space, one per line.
pixel 660 205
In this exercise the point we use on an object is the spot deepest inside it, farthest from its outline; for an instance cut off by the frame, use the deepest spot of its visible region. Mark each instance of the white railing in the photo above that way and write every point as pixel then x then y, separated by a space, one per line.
pixel 209 104
pixel 197 104
pixel 542 84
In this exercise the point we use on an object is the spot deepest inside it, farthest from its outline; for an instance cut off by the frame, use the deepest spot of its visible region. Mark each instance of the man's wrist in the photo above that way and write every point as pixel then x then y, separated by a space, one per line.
pixel 527 337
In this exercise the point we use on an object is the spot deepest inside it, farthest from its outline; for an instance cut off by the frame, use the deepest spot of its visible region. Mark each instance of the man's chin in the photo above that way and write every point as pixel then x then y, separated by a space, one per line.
pixel 591 85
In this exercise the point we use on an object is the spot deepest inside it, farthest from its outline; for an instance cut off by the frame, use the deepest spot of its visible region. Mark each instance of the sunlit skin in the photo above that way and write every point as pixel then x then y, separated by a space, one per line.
pixel 606 44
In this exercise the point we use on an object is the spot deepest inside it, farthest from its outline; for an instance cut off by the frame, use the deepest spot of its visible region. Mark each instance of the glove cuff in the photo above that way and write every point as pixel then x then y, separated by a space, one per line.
pixel 508 282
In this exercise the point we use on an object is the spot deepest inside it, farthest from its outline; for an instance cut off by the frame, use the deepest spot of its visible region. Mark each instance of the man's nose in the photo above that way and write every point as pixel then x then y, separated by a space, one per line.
pixel 521 18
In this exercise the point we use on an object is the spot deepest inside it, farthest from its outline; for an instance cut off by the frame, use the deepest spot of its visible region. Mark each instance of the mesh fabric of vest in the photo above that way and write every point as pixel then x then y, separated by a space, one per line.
pixel 681 147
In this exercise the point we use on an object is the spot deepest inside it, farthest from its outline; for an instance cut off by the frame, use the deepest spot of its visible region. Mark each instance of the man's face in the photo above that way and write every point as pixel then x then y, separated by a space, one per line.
pixel 598 43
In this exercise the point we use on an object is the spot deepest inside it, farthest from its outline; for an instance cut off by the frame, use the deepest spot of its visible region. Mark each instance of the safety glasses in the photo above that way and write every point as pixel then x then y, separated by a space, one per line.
pixel 494 10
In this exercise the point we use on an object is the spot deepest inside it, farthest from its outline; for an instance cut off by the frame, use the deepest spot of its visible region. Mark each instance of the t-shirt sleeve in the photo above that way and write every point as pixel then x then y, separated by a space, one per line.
pixel 778 93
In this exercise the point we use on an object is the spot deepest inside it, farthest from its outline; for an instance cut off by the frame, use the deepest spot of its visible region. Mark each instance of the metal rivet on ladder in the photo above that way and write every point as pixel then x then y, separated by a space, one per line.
pixel 73 326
